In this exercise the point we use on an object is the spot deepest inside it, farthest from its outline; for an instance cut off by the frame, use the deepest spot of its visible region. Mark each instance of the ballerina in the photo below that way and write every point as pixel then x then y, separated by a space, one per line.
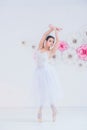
pixel 45 78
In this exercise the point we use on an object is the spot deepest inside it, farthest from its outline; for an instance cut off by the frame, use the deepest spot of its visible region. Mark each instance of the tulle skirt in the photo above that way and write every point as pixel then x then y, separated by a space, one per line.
pixel 46 85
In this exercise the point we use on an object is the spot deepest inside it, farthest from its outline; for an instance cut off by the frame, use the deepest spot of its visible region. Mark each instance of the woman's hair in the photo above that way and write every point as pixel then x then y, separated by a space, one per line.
pixel 49 36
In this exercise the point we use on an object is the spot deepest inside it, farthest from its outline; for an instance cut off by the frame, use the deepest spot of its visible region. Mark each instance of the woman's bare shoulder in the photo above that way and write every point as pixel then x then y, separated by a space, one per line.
pixel 42 49
pixel 50 53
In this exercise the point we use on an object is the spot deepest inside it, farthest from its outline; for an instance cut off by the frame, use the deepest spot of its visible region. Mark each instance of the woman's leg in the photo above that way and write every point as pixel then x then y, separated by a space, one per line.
pixel 40 113
pixel 54 111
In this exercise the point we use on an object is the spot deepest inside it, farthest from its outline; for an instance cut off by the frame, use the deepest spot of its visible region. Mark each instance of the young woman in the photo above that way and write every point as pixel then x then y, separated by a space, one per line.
pixel 45 77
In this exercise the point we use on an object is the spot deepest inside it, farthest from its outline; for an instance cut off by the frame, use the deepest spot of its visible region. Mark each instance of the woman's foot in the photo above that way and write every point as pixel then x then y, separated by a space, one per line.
pixel 39 117
pixel 54 114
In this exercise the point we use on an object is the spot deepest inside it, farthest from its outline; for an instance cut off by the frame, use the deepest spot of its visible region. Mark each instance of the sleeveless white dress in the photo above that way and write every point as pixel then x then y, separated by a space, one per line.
pixel 47 89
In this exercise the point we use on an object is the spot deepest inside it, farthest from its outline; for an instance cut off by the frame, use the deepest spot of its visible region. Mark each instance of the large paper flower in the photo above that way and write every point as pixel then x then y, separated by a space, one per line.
pixel 62 46
pixel 82 52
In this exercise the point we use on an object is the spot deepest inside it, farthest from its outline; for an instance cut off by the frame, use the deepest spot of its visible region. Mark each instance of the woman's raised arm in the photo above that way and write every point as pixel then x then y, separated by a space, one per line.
pixel 54 49
pixel 56 36
pixel 41 43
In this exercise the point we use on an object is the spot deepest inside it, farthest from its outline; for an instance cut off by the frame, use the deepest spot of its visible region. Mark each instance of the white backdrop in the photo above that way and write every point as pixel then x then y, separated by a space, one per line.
pixel 26 20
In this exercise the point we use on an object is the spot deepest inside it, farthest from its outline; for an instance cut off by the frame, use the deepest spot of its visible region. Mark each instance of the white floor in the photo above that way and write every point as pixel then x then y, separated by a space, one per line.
pixel 26 119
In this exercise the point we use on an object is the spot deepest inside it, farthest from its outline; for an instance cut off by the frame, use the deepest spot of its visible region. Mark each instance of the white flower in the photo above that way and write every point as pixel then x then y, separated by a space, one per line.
pixel 74 40
pixel 83 32
pixel 80 63
pixel 69 56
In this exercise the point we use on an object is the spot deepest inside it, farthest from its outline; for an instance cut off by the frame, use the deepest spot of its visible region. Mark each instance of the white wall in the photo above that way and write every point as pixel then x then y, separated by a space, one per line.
pixel 27 21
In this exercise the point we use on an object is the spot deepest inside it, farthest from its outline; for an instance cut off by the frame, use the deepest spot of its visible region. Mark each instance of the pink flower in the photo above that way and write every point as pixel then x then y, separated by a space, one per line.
pixel 62 46
pixel 82 52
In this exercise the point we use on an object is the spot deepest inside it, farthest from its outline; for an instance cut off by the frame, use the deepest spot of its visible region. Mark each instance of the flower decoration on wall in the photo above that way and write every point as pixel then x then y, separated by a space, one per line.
pixel 69 56
pixel 62 46
pixel 74 40
pixel 23 42
pixel 54 56
pixel 82 52
pixel 33 46
pixel 83 32
pixel 81 63
pixel 72 50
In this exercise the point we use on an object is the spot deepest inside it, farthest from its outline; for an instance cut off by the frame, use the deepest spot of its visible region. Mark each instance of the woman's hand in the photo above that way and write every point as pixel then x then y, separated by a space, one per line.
pixel 58 29
pixel 52 27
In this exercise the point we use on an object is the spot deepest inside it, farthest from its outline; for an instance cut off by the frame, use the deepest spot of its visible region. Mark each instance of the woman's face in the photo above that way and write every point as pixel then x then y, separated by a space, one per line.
pixel 50 42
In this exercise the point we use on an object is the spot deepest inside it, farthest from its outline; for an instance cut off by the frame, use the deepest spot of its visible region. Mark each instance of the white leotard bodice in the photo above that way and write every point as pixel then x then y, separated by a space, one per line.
pixel 42 59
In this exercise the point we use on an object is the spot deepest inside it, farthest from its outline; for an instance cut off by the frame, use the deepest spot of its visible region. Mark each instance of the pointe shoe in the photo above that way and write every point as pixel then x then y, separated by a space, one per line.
pixel 39 117
pixel 54 115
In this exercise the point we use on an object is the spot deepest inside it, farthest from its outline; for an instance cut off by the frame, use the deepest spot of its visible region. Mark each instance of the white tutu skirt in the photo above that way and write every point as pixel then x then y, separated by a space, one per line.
pixel 46 86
